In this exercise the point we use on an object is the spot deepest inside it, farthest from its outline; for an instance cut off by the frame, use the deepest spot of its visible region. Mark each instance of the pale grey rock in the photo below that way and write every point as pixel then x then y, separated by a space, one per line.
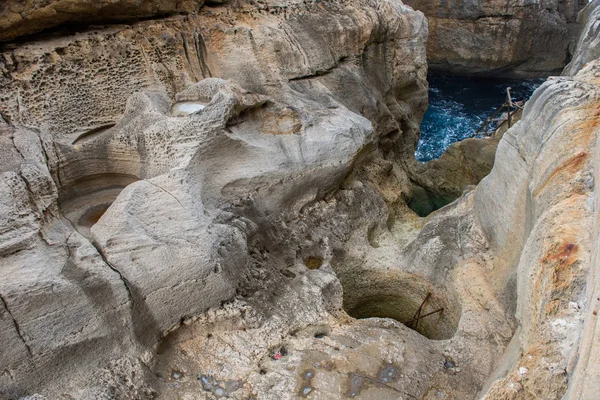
pixel 181 263
pixel 140 218
pixel 588 45
pixel 541 190
pixel 153 254
pixel 57 295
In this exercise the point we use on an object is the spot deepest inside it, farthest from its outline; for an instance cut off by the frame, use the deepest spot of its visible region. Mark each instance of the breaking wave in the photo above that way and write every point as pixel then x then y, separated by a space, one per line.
pixel 459 105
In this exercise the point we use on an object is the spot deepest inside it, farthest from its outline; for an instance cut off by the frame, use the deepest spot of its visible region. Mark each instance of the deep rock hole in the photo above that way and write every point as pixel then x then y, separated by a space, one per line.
pixel 85 200
pixel 395 295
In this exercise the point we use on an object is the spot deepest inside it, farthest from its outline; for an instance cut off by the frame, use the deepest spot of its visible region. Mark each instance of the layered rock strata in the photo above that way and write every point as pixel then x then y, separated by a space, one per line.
pixel 500 38
pixel 26 17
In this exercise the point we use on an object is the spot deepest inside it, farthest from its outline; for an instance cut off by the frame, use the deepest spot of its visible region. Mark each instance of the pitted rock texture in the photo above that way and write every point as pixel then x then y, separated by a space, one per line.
pixel 25 17
pixel 500 38
pixel 74 86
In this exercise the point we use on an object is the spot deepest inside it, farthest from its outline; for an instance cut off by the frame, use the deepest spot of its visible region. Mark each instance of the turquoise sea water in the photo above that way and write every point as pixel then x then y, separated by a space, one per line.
pixel 458 106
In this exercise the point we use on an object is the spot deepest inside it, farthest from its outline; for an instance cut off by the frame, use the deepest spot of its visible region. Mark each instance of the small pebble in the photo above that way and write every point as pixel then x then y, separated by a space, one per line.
pixel 176 375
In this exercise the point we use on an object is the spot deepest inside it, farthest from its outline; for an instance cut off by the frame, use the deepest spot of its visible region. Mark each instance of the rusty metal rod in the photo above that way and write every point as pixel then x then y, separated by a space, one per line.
pixel 486 123
pixel 418 313
pixel 423 316
pixel 423 307
pixel 510 104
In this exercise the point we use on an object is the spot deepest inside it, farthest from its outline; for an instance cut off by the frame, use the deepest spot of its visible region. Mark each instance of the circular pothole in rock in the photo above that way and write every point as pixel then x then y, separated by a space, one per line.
pixel 184 108
pixel 313 262
pixel 86 200
pixel 93 215
pixel 431 311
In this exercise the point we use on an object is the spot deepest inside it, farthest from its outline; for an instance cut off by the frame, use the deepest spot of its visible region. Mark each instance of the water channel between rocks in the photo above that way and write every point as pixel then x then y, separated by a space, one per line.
pixel 459 105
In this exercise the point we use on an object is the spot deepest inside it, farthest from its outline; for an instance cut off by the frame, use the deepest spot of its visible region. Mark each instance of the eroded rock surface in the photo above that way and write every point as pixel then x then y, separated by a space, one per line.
pixel 141 216
pixel 25 17
pixel 441 181
pixel 215 205
pixel 500 38
pixel 547 215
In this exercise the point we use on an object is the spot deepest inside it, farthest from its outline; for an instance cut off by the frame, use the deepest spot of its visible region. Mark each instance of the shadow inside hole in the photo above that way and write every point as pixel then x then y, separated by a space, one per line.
pixel 93 215
pixel 424 202
pixel 399 296
pixel 84 201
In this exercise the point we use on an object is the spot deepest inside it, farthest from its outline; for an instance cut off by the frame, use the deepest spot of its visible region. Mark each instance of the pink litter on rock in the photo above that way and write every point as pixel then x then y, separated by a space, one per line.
pixel 277 356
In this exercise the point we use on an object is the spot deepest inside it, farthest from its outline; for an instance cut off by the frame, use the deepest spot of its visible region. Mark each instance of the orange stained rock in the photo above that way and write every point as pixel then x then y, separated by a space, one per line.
pixel 591 122
pixel 570 167
pixel 562 257
pixel 565 253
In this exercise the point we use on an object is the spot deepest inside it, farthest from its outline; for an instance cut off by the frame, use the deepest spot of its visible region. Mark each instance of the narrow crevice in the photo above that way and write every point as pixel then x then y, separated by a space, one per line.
pixel 201 52
pixel 57 180
pixel 16 325
pixel 186 51
pixel 125 282
pixel 315 74
pixel 321 72
pixel 93 133
pixel 145 327
pixel 12 138
pixel 167 192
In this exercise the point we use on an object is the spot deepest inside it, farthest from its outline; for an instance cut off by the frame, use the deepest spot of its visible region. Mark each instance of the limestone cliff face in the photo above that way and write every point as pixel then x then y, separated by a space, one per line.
pixel 500 38
pixel 588 45
pixel 25 17
pixel 542 188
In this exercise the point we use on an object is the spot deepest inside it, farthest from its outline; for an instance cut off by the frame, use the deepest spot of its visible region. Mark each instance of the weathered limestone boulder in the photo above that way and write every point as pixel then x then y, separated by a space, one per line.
pixel 500 38
pixel 163 189
pixel 60 305
pixel 246 167
pixel 588 45
pixel 441 181
pixel 25 17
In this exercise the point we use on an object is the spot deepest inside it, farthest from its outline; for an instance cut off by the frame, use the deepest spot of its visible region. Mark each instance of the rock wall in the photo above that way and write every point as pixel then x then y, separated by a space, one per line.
pixel 26 17
pixel 500 38
pixel 546 239
pixel 588 45
pixel 441 181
